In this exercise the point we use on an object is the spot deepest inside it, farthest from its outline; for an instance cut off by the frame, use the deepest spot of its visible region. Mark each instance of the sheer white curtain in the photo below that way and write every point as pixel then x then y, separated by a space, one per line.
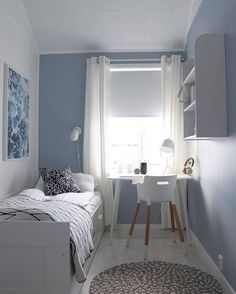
pixel 95 148
pixel 171 81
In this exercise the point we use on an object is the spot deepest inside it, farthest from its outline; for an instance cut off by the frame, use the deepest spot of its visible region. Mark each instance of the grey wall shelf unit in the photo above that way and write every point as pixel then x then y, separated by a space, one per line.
pixel 204 90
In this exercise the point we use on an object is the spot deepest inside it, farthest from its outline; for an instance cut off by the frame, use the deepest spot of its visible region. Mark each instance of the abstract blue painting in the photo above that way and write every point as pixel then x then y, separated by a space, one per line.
pixel 17 95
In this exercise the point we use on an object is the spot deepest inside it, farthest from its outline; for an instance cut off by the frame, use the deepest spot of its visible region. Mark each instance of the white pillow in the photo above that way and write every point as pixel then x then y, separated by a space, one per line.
pixel 40 184
pixel 35 194
pixel 84 181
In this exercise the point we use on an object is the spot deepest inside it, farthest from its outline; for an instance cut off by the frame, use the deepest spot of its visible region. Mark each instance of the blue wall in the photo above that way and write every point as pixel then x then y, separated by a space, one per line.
pixel 212 199
pixel 61 107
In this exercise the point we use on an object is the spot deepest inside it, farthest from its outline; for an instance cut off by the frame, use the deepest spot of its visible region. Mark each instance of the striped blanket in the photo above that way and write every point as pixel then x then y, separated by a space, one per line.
pixel 81 227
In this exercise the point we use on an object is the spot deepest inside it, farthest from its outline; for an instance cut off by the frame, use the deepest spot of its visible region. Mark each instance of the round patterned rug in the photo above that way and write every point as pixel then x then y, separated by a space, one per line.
pixel 154 277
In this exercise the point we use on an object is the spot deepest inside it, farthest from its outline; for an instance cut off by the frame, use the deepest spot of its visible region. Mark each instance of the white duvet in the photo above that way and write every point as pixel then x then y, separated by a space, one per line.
pixel 80 199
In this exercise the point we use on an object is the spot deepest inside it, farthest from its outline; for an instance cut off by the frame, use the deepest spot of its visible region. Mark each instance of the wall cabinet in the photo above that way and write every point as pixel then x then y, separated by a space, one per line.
pixel 204 90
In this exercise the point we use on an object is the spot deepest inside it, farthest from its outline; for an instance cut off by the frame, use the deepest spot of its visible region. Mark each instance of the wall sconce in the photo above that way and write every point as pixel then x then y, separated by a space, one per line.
pixel 74 136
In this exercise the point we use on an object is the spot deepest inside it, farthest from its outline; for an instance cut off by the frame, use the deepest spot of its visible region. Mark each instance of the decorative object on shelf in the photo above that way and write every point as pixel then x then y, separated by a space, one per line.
pixel 184 94
pixel 143 168
pixel 188 166
pixel 16 120
pixel 74 136
pixel 137 171
pixel 167 151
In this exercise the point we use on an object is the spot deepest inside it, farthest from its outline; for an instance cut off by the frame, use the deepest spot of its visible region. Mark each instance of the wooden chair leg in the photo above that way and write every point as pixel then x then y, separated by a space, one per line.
pixel 134 218
pixel 172 218
pixel 147 231
pixel 176 216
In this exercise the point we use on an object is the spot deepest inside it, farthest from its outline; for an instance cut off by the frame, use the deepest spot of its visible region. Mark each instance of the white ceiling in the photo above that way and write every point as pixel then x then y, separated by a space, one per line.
pixel 110 25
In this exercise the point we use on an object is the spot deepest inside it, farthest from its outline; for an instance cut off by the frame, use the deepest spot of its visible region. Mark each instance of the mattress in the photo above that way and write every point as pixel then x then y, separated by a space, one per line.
pixel 94 203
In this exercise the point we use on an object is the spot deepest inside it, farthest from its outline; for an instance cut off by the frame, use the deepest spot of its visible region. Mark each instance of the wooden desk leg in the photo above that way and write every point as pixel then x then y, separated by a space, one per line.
pixel 176 216
pixel 115 209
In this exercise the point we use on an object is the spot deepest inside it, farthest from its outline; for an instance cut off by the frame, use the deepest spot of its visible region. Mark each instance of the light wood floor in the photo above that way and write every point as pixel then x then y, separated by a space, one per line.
pixel 161 247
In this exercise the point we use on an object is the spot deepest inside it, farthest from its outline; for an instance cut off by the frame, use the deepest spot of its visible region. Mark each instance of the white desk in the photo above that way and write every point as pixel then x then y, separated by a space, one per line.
pixel 181 193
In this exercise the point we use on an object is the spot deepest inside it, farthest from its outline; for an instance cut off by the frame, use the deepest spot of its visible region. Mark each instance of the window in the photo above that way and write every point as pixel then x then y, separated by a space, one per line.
pixel 133 140
pixel 136 118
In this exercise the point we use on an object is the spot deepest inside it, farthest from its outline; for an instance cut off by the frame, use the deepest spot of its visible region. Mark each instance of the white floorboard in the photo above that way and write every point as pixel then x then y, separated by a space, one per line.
pixel 161 247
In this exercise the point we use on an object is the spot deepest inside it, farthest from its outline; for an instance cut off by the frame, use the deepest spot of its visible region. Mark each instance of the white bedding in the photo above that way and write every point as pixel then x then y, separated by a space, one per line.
pixel 93 203
pixel 88 200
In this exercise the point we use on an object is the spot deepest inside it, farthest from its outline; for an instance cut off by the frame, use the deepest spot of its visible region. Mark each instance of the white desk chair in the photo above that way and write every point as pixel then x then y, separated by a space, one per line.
pixel 156 189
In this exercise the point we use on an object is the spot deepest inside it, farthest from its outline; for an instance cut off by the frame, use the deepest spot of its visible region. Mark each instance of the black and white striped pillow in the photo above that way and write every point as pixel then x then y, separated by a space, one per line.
pixel 59 181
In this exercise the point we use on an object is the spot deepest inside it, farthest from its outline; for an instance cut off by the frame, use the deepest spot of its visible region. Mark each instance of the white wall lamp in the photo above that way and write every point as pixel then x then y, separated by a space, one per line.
pixel 167 151
pixel 74 136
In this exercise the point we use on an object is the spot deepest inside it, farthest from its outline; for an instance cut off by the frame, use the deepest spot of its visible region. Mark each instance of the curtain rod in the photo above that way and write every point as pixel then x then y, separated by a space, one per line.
pixel 128 60
pixel 139 60
pixel 157 60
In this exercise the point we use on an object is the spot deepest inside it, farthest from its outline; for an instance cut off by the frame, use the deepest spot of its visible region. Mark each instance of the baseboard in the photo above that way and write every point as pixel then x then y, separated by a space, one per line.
pixel 215 270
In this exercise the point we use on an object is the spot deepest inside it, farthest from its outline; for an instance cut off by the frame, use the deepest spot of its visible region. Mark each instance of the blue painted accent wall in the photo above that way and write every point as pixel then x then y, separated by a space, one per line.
pixel 212 198
pixel 61 107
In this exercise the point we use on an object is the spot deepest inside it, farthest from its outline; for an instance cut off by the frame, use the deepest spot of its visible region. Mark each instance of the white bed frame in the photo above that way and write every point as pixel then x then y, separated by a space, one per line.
pixel 35 256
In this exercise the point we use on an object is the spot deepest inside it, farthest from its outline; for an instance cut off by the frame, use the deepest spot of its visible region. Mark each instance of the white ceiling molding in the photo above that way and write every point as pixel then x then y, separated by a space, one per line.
pixel 116 25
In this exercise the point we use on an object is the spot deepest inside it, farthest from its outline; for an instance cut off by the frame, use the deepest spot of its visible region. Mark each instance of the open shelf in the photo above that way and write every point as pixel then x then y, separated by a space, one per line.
pixel 190 79
pixel 191 107
pixel 193 137
pixel 205 84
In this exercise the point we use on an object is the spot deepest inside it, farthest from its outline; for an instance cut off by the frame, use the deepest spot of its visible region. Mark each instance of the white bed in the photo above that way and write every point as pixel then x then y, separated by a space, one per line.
pixel 35 256
pixel 95 208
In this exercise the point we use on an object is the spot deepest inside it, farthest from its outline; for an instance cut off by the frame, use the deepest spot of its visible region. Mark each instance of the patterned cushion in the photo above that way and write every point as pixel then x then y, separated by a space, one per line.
pixel 59 181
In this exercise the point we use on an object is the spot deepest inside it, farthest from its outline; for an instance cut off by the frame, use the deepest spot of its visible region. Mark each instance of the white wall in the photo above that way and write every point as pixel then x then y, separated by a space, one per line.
pixel 18 49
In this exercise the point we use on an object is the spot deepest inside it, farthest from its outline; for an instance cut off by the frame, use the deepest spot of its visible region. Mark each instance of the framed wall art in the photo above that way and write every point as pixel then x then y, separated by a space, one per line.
pixel 16 113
